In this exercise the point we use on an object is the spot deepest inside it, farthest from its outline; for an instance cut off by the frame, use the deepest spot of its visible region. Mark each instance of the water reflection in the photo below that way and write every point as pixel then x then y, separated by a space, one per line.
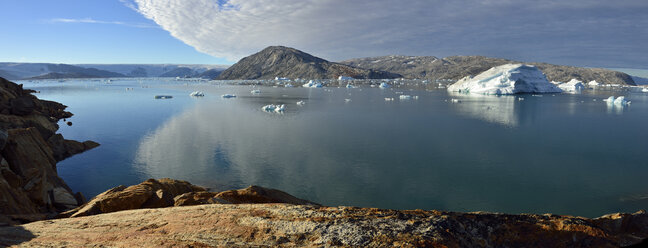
pixel 495 109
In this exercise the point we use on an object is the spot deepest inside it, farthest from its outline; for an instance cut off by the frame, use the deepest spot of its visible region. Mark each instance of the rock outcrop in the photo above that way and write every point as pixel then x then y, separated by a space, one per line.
pixel 272 225
pixel 279 61
pixel 30 188
pixel 457 67
pixel 167 192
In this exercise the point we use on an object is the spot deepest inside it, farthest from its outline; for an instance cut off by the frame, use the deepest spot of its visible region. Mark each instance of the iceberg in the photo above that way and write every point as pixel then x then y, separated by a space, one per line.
pixel 301 103
pixel 593 83
pixel 345 78
pixel 505 80
pixel 384 85
pixel 574 85
pixel 163 97
pixel 312 84
pixel 272 108
pixel 255 91
pixel 282 79
pixel 197 93
pixel 288 85
pixel 228 96
pixel 349 86
pixel 619 101
pixel 405 97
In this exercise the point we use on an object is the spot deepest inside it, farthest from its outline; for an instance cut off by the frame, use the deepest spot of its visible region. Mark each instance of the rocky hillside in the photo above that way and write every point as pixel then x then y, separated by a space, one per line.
pixel 30 188
pixel 279 61
pixel 457 67
pixel 227 219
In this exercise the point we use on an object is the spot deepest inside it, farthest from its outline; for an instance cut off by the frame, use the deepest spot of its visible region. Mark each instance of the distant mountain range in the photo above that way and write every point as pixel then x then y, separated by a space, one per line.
pixel 279 61
pixel 14 71
pixel 457 67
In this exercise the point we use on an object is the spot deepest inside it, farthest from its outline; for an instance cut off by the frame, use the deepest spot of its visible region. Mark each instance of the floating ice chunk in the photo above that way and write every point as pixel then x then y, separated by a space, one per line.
pixel 453 100
pixel 405 97
pixel 619 101
pixel 312 84
pixel 349 86
pixel 415 97
pixel 272 108
pixel 644 90
pixel 593 83
pixel 389 99
pixel 345 78
pixel 288 85
pixel 574 86
pixel 301 103
pixel 197 93
pixel 506 79
pixel 228 96
pixel 282 79
pixel 520 98
pixel 255 91
pixel 347 100
pixel 163 97
pixel 384 85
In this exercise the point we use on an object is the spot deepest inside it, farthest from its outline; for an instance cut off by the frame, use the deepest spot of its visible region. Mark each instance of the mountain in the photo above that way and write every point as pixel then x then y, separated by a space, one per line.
pixel 211 73
pixel 45 70
pixel 640 80
pixel 457 67
pixel 156 70
pixel 279 61
pixel 180 72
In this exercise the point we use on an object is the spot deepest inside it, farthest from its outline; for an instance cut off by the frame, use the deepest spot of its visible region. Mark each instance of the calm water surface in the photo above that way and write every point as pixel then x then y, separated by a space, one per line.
pixel 564 154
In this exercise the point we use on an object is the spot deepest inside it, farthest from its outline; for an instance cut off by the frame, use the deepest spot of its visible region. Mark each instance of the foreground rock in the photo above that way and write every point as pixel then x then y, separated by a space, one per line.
pixel 270 225
pixel 279 61
pixel 457 67
pixel 30 188
pixel 168 192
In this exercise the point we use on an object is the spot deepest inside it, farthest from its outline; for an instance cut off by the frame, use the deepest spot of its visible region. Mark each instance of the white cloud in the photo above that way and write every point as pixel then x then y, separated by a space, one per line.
pixel 551 31
pixel 93 21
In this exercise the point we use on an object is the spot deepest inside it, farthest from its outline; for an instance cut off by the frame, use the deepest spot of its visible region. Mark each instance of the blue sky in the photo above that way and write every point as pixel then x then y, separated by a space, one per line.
pixel 591 33
pixel 31 33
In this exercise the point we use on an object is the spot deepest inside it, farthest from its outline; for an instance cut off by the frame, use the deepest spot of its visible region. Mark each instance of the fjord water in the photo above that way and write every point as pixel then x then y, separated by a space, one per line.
pixel 563 153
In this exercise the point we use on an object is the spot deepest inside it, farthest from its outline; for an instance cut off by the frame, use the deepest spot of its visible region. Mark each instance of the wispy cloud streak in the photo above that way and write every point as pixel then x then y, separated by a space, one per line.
pixel 93 21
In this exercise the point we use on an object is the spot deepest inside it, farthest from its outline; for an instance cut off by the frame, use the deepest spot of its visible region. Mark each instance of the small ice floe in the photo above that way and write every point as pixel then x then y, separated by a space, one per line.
pixel 272 108
pixel 347 100
pixel 644 90
pixel 288 85
pixel 405 97
pixel 228 96
pixel 372 86
pixel 619 101
pixel 255 91
pixel 389 99
pixel 384 85
pixel 197 93
pixel 312 84
pixel 301 103
pixel 415 97
pixel 537 95
pixel 520 98
pixel 593 83
pixel 345 78
pixel 163 97
pixel 282 79
pixel 454 100
pixel 349 86
pixel 398 92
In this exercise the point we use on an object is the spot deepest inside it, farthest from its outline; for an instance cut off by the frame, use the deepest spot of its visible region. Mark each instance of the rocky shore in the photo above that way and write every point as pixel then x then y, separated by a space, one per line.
pixel 37 208
pixel 30 188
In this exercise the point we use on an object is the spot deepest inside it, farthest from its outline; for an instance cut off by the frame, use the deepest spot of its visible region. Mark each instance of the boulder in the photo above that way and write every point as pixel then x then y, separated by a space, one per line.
pixel 149 194
pixel 257 194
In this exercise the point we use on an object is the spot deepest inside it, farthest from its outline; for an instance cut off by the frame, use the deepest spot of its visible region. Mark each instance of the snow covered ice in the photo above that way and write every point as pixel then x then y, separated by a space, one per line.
pixel 197 93
pixel 312 84
pixel 574 86
pixel 506 79
pixel 272 108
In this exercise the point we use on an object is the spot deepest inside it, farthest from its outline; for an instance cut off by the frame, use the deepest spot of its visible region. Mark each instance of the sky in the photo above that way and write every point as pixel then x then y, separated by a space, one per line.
pixel 589 33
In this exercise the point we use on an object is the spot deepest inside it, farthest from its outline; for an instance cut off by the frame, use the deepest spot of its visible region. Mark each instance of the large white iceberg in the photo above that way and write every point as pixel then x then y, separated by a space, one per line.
pixel 573 85
pixel 619 101
pixel 506 79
